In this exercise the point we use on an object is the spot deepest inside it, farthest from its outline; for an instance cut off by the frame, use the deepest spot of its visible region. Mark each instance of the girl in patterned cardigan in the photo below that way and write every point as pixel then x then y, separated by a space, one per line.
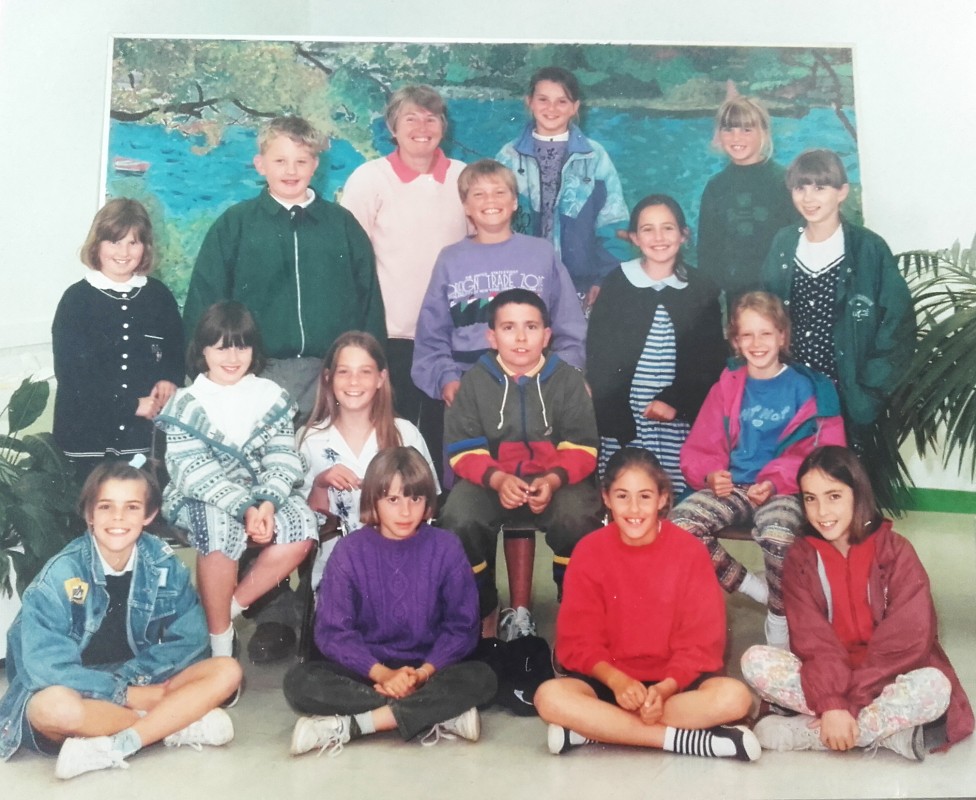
pixel 230 452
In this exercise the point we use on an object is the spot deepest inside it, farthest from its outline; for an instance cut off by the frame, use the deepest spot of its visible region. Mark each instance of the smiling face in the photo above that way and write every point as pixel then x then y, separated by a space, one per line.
pixel 418 132
pixel 356 379
pixel 227 365
pixel 659 238
pixel 759 342
pixel 635 500
pixel 551 108
pixel 117 518
pixel 288 167
pixel 519 336
pixel 820 205
pixel 119 260
pixel 490 205
pixel 829 506
pixel 399 516
pixel 743 145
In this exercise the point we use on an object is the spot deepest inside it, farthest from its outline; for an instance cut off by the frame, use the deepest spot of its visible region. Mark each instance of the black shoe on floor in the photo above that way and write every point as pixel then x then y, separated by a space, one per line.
pixel 271 641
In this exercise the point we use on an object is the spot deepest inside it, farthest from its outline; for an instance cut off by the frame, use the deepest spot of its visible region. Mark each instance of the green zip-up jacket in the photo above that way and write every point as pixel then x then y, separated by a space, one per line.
pixel 874 320
pixel 306 279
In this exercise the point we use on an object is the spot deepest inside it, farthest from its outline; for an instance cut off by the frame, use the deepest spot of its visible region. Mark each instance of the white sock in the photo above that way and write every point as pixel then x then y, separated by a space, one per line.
pixel 126 742
pixel 236 609
pixel 777 631
pixel 577 738
pixel 222 644
pixel 755 587
pixel 365 722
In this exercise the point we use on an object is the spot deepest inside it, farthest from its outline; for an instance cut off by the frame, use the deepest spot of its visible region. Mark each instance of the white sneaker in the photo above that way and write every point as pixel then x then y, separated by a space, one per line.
pixel 214 728
pixel 81 755
pixel 561 739
pixel 908 743
pixel 325 733
pixel 516 623
pixel 786 734
pixel 466 725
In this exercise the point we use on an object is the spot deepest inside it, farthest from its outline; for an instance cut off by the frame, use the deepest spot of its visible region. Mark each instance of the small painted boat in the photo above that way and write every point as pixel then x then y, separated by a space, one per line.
pixel 130 166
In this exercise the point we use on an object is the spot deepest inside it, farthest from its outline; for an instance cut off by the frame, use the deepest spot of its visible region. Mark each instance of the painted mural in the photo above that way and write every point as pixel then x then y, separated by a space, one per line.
pixel 184 113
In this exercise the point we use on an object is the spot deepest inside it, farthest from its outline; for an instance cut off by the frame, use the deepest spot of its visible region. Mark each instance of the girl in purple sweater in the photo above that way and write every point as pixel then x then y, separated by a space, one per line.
pixel 397 613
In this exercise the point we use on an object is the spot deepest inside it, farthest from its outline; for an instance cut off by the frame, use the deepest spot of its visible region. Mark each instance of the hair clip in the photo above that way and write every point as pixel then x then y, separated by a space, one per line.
pixel 138 461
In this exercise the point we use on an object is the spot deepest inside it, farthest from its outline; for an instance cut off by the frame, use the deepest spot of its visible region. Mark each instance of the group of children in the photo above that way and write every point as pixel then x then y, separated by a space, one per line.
pixel 502 338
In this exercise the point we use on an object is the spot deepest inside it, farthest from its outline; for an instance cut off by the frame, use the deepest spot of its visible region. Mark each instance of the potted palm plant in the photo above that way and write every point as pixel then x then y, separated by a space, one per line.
pixel 38 491
pixel 935 402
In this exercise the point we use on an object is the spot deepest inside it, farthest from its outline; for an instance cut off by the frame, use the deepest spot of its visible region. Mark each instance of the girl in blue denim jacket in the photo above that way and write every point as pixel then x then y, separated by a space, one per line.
pixel 107 653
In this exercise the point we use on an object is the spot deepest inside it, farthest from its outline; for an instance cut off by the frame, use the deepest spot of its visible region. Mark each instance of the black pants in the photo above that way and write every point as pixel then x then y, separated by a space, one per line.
pixel 325 687
pixel 406 396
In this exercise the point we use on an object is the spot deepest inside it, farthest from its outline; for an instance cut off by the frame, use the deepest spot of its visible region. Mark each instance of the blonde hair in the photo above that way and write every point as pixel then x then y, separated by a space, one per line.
pixel 744 112
pixel 299 130
pixel 113 221
pixel 327 410
pixel 485 168
pixel 766 305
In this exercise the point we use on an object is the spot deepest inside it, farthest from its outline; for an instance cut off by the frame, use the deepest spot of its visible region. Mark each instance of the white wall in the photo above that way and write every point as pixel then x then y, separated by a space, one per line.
pixel 916 84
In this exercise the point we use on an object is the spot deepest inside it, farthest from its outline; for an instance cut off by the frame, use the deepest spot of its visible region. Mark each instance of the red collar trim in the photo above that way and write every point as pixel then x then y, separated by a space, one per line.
pixel 438 170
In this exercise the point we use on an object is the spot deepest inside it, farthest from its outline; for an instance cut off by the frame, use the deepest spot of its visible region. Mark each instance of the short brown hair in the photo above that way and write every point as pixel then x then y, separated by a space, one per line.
pixel 485 168
pixel 816 167
pixel 231 323
pixel 427 97
pixel 842 465
pixel 112 222
pixel 416 480
pixel 299 130
pixel 765 305
pixel 117 470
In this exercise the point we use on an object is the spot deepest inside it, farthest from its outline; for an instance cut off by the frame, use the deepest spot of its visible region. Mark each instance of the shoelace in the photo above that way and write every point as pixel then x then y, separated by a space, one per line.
pixel 435 734
pixel 333 743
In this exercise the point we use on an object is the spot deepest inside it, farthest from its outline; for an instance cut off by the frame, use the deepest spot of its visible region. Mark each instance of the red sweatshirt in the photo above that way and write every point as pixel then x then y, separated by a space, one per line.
pixel 653 612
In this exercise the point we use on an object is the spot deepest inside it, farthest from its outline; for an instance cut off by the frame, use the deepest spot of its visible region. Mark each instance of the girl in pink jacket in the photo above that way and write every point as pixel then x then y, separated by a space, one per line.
pixel 757 424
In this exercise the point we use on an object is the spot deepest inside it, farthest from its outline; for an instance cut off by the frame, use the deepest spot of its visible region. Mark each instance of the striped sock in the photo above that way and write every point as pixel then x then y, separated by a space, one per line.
pixel 721 741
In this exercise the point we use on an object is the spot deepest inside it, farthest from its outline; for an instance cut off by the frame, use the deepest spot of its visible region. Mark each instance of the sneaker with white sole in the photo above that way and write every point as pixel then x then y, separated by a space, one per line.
pixel 466 725
pixel 325 733
pixel 908 743
pixel 562 739
pixel 81 755
pixel 786 734
pixel 515 623
pixel 214 728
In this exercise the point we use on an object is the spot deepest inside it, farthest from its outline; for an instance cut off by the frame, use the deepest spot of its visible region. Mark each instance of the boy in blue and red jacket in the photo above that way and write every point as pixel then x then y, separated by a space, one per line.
pixel 521 436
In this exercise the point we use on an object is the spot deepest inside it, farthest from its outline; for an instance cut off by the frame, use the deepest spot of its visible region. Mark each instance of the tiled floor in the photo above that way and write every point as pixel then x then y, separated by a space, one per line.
pixel 511 761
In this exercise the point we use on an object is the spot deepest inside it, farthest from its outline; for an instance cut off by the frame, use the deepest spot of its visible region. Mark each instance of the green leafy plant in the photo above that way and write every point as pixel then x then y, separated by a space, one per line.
pixel 38 490
pixel 936 398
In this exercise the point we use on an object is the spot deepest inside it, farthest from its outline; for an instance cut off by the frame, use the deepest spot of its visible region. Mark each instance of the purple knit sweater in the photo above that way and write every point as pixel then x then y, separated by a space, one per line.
pixel 384 601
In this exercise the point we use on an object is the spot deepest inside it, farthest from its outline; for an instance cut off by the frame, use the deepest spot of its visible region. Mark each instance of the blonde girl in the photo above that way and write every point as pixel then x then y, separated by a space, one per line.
pixel 745 204
pixel 758 422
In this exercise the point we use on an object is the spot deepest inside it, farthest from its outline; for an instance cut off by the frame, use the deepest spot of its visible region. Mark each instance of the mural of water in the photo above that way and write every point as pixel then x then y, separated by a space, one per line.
pixel 189 185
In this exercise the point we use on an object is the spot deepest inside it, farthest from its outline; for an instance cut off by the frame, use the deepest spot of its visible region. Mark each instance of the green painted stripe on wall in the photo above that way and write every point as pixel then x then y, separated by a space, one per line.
pixel 952 502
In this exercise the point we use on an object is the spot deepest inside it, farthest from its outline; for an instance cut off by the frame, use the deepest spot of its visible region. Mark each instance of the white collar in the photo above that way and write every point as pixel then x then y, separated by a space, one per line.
pixel 634 273
pixel 109 570
pixel 309 197
pixel 101 281
pixel 559 137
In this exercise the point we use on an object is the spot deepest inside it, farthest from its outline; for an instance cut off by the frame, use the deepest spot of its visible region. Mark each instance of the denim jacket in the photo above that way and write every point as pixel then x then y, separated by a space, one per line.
pixel 66 604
